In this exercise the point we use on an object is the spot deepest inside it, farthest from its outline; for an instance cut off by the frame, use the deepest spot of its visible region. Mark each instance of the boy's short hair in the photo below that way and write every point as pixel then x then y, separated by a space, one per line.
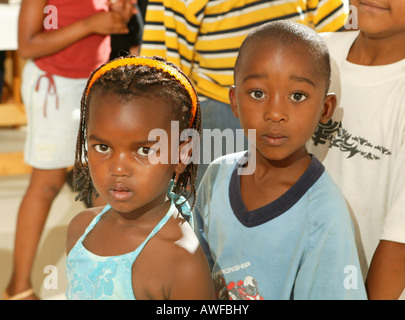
pixel 285 33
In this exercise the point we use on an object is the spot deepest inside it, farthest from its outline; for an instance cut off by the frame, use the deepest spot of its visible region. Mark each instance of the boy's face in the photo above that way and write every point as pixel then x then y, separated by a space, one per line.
pixel 381 18
pixel 279 92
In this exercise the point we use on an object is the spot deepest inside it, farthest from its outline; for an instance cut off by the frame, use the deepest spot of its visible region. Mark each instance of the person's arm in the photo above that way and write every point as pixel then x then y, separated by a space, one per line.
pixel 135 26
pixel 386 276
pixel 34 42
pixel 192 279
pixel 128 43
pixel 127 8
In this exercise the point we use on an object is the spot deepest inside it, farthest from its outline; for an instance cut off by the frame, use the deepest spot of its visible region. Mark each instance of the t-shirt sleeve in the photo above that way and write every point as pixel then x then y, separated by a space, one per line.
pixel 330 267
pixel 200 214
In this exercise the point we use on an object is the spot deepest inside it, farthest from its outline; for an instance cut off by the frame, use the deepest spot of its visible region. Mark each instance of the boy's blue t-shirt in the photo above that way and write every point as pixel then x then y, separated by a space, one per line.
pixel 301 246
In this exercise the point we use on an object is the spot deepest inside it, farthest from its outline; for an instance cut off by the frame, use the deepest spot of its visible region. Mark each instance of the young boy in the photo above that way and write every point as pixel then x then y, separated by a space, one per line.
pixel 283 232
pixel 363 146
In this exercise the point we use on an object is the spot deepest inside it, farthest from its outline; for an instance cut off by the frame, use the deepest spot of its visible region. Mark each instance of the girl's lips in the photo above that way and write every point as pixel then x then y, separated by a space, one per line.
pixel 120 194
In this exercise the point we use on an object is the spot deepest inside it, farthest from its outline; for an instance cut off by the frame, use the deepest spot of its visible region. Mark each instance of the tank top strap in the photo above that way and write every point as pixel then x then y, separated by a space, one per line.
pixel 94 222
pixel 154 231
pixel 185 209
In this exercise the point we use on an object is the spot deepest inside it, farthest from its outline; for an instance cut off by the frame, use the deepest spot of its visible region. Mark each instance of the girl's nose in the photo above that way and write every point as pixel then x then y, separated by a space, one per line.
pixel 120 165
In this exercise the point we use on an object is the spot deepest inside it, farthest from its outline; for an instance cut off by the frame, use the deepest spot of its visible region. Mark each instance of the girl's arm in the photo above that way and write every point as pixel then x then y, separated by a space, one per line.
pixel 192 278
pixel 33 42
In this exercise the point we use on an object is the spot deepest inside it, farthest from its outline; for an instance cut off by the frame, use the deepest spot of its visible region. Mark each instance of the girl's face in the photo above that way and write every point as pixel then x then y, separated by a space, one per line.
pixel 279 93
pixel 119 149
pixel 380 18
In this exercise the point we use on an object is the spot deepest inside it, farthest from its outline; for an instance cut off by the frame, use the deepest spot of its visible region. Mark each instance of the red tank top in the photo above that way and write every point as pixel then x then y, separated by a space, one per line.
pixel 81 58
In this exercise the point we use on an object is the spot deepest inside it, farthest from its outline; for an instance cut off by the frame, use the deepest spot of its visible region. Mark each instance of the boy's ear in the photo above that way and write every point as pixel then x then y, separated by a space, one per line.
pixel 329 107
pixel 232 101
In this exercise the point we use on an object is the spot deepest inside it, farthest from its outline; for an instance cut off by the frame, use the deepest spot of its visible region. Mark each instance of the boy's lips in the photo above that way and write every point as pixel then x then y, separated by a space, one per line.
pixel 274 138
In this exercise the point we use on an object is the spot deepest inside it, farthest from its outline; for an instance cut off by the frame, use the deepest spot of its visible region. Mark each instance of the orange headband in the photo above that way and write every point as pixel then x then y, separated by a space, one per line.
pixel 154 64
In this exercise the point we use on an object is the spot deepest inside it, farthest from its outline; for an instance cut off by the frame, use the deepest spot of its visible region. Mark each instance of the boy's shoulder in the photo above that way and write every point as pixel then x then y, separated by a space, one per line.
pixel 325 186
pixel 222 167
pixel 326 201
pixel 229 159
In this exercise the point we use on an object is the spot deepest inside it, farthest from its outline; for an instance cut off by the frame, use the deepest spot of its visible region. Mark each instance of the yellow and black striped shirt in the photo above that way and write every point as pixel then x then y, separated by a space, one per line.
pixel 203 36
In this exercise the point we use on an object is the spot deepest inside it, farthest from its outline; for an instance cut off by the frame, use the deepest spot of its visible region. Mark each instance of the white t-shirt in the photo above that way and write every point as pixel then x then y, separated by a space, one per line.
pixel 363 146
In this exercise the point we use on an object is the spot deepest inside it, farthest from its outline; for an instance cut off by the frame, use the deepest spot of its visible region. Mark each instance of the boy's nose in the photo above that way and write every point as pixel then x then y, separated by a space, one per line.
pixel 275 111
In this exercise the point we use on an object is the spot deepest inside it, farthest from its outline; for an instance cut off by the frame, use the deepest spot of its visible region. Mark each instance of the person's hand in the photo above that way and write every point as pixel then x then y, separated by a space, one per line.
pixel 116 5
pixel 125 7
pixel 107 23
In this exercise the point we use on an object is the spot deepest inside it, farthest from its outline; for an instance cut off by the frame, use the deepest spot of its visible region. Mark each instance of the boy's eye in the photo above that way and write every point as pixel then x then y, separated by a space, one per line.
pixel 256 94
pixel 145 151
pixel 298 96
pixel 102 148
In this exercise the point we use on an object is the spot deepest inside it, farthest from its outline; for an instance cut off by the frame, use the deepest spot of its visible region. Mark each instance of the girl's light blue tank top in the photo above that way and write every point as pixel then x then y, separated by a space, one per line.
pixel 93 277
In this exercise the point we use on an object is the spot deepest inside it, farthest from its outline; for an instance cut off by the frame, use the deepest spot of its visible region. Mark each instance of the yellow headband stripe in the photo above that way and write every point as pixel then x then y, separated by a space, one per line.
pixel 150 63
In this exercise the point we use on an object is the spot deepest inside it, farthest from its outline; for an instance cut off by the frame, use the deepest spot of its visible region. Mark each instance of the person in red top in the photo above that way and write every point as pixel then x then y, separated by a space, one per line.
pixel 63 40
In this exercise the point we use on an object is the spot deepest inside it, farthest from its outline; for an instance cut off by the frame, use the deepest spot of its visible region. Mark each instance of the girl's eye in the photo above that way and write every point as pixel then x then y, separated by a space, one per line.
pixel 102 148
pixel 257 94
pixel 298 96
pixel 145 151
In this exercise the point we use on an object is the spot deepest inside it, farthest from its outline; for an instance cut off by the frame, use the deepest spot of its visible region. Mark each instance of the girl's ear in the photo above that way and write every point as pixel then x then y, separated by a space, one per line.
pixel 185 156
pixel 329 106
pixel 232 101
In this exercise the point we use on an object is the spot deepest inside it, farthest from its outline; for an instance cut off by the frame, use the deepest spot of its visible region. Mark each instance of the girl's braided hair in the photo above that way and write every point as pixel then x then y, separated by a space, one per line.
pixel 140 80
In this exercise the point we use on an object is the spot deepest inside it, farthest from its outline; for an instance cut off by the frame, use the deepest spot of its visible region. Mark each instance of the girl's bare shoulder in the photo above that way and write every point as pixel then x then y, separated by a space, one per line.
pixel 78 225
pixel 173 265
pixel 180 235
pixel 188 265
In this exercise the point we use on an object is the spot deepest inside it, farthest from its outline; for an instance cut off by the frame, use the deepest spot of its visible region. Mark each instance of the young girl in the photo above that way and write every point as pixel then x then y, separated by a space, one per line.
pixel 139 245
pixel 57 45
